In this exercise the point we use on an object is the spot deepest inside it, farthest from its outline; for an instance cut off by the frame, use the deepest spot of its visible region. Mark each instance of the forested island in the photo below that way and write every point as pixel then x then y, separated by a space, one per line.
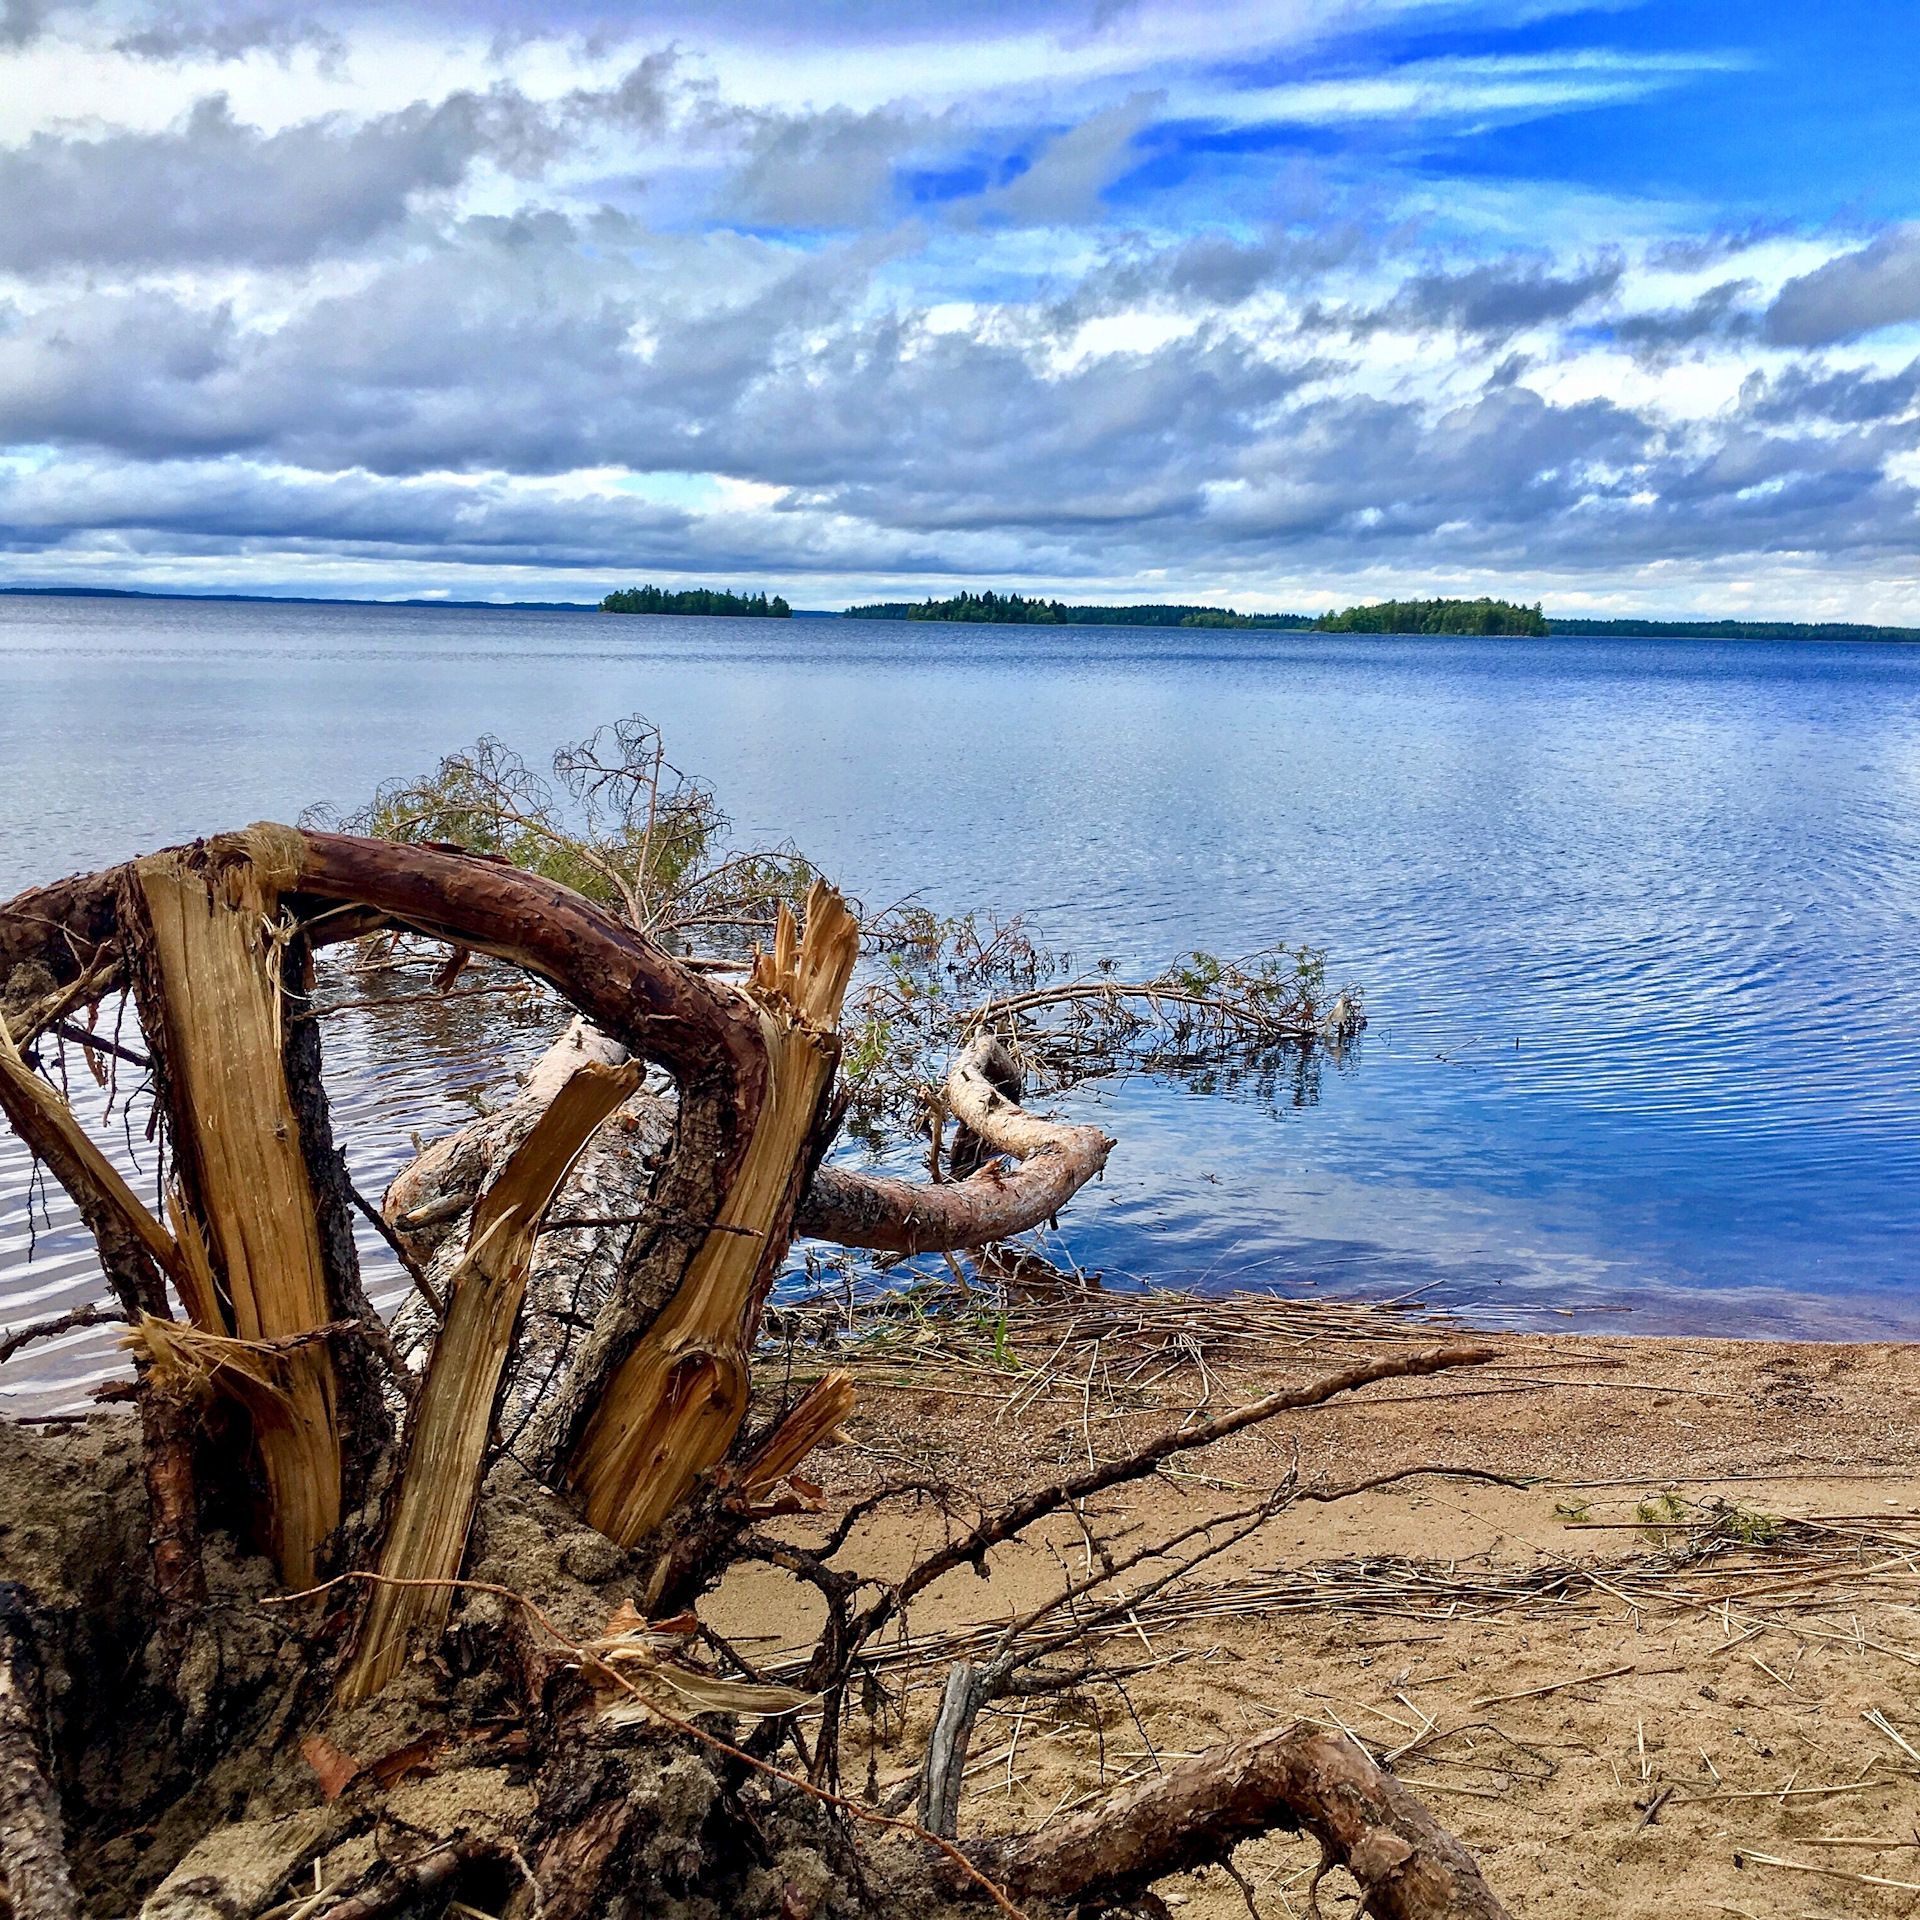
pixel 1014 610
pixel 1484 617
pixel 738 606
pixel 1730 630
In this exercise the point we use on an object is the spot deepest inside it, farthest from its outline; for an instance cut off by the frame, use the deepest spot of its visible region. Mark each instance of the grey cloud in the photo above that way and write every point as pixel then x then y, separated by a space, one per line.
pixel 22 21
pixel 1498 299
pixel 1876 286
pixel 1708 249
pixel 214 189
pixel 1715 315
pixel 832 169
pixel 510 349
pixel 1815 394
pixel 1065 182
pixel 181 36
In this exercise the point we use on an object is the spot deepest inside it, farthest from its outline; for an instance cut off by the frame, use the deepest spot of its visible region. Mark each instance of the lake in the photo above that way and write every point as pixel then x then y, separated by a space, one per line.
pixel 1636 921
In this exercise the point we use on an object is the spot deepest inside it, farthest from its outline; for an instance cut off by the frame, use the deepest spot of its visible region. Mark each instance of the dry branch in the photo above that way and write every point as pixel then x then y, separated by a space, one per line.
pixel 1408 1866
pixel 1015 1518
pixel 899 1216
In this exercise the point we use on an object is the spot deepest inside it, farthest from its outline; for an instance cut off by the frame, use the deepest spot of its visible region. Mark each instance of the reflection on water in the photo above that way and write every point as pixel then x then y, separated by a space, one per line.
pixel 1636 920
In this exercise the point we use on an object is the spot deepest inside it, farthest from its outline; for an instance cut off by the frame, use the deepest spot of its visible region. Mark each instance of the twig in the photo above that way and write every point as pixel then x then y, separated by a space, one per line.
pixel 414 1271
pixel 60 1323
pixel 1534 1693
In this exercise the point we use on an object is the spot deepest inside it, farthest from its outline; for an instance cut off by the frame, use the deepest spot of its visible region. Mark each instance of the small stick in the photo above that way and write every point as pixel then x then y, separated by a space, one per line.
pixel 1652 1813
pixel 1832 1873
pixel 414 1271
pixel 1534 1693
pixel 1875 1718
pixel 61 1323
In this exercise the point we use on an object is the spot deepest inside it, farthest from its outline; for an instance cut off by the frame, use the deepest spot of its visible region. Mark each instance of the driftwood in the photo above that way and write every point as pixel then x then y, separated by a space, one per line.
pixel 1299 1778
pixel 898 1216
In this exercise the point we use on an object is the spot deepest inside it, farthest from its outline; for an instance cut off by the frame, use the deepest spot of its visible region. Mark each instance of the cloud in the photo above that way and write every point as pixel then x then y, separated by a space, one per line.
pixel 1715 316
pixel 22 21
pixel 453 333
pixel 213 189
pixel 1063 185
pixel 180 36
pixel 1497 299
pixel 1876 286
pixel 831 169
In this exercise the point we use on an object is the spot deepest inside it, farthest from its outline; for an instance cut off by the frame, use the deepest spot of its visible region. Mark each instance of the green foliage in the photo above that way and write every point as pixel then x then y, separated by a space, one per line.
pixel 1748 1528
pixel 1482 616
pixel 737 606
pixel 616 822
pixel 1662 1513
pixel 1572 1509
pixel 1014 610
pixel 1730 630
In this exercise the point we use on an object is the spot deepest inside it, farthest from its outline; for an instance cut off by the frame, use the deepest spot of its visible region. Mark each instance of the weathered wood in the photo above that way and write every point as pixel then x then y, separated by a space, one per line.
pixel 945 1767
pixel 447 1434
pixel 208 982
pixel 900 1216
pixel 1299 1778
pixel 32 1845
pixel 708 1037
pixel 672 1408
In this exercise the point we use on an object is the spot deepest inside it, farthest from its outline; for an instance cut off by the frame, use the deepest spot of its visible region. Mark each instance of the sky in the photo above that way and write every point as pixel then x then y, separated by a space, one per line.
pixel 1277 305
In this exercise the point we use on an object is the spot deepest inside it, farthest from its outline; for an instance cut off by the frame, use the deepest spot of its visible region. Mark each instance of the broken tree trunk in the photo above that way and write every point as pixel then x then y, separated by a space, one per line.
pixel 672 1407
pixel 1302 1777
pixel 32 1849
pixel 426 1537
pixel 209 985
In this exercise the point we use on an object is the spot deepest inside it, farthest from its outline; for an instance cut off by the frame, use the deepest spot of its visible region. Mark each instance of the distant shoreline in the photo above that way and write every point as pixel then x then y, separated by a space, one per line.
pixel 1835 631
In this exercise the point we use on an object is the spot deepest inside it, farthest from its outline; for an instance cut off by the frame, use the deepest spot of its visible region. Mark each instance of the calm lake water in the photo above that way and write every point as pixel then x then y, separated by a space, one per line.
pixel 1636 920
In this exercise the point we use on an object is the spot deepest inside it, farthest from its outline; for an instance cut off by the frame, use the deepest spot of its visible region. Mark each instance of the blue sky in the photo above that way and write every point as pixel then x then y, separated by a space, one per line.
pixel 1278 305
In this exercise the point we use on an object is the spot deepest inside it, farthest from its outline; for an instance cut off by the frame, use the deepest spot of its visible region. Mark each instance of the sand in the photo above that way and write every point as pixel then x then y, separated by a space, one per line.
pixel 1655 1743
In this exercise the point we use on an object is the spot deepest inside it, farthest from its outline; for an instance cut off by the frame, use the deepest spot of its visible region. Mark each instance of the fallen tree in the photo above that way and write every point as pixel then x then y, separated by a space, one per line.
pixel 447 1716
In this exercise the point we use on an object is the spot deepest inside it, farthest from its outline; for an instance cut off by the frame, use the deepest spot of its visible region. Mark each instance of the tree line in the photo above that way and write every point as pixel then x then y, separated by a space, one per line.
pixel 740 606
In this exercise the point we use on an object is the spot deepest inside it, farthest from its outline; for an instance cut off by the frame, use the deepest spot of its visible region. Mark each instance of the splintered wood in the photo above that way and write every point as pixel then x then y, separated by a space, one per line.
pixel 674 1404
pixel 447 1443
pixel 248 1225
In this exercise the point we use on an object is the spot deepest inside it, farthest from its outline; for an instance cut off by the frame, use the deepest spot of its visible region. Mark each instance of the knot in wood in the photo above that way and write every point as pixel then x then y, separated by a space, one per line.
pixel 1380 1854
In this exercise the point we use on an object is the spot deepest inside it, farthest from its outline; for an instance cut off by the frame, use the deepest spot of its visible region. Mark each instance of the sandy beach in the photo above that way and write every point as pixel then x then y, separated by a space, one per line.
pixel 1676 1672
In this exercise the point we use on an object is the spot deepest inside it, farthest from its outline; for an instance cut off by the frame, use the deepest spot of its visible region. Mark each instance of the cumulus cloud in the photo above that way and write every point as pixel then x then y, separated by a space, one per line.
pixel 1876 286
pixel 213 189
pixel 456 332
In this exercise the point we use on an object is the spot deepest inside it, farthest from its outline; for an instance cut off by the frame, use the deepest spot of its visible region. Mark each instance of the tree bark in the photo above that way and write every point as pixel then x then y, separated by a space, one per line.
pixel 1300 1778
pixel 32 1846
